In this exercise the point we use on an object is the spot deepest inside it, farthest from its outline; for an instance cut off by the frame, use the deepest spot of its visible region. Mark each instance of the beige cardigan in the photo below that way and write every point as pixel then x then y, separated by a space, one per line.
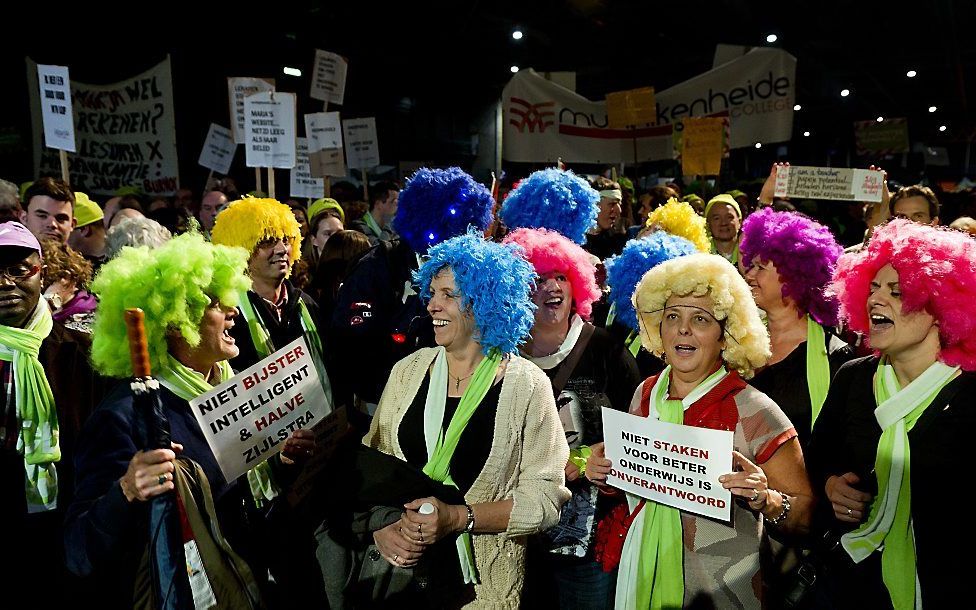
pixel 526 463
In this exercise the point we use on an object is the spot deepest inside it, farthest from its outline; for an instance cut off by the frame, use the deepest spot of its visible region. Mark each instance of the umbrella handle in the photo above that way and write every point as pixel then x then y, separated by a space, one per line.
pixel 138 345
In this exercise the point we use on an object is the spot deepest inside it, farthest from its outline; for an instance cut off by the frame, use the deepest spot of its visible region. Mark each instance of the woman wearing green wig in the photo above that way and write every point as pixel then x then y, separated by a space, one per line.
pixel 188 290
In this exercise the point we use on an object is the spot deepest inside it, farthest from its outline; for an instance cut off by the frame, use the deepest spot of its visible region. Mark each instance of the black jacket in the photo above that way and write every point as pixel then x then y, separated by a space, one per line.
pixel 282 333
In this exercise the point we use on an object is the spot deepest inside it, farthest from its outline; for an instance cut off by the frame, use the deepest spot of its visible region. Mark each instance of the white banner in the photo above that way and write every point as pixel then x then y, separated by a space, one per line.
pixel 362 149
pixel 300 179
pixel 218 149
pixel 323 131
pixel 239 88
pixel 125 134
pixel 247 418
pixel 269 129
pixel 543 121
pixel 329 77
pixel 59 125
pixel 670 464
pixel 837 183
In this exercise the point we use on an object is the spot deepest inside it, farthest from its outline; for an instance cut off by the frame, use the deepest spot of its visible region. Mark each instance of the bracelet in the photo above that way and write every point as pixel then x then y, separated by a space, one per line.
pixel 469 527
pixel 782 516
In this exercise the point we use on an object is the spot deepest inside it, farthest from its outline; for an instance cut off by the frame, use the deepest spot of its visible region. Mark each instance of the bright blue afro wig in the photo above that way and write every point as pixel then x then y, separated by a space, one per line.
pixel 438 204
pixel 495 282
pixel 553 199
pixel 639 256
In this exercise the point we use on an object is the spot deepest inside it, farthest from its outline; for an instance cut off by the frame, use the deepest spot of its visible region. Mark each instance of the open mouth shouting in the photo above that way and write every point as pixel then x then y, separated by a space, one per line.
pixel 685 349
pixel 554 303
pixel 226 337
pixel 881 323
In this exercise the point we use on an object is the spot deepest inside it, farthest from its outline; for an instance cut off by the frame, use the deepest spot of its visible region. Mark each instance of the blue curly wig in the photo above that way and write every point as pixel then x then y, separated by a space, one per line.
pixel 639 256
pixel 438 204
pixel 495 282
pixel 553 199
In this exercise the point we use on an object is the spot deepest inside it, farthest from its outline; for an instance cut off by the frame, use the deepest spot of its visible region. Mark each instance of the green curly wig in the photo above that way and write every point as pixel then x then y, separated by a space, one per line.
pixel 173 284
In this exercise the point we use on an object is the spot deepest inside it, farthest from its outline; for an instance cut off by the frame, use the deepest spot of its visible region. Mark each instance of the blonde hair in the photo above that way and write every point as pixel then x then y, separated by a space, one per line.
pixel 746 340
pixel 679 218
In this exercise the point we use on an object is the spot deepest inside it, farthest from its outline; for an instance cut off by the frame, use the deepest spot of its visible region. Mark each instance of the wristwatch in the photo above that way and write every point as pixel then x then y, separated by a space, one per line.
pixel 469 527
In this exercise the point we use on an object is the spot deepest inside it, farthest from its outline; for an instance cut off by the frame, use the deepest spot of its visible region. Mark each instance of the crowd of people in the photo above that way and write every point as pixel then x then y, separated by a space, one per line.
pixel 474 338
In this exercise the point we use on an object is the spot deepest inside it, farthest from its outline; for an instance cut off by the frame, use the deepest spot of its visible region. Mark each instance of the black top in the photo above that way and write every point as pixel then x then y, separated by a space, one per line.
pixel 281 332
pixel 845 439
pixel 473 447
pixel 605 244
pixel 786 382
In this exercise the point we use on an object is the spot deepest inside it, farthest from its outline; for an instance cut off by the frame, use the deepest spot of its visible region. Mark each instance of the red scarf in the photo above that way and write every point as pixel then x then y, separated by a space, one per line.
pixel 715 410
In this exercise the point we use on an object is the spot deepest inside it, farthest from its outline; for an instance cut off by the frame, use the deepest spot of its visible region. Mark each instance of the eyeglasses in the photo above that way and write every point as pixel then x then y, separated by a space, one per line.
pixel 19 271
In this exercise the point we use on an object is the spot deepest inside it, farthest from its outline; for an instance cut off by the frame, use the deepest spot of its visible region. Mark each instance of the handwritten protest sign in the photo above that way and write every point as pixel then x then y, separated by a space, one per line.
pixel 631 108
pixel 269 129
pixel 841 184
pixel 238 89
pixel 218 149
pixel 670 464
pixel 702 143
pixel 329 77
pixel 323 131
pixel 301 182
pixel 59 126
pixel 878 138
pixel 362 149
pixel 247 418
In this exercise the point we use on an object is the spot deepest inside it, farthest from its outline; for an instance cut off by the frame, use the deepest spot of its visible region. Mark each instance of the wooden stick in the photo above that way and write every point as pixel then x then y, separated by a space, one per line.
pixel 206 185
pixel 271 184
pixel 328 186
pixel 257 179
pixel 138 345
pixel 366 186
pixel 63 155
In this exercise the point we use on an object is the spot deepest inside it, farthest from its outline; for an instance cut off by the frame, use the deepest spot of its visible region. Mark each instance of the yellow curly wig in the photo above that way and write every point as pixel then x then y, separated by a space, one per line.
pixel 746 341
pixel 679 218
pixel 246 222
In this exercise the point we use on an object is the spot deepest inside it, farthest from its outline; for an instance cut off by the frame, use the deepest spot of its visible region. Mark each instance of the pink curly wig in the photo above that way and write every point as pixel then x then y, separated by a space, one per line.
pixel 548 251
pixel 805 254
pixel 936 272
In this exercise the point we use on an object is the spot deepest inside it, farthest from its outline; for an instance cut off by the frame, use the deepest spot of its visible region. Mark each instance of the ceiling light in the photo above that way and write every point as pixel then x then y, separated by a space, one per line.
pixel 517 34
pixel 911 74
pixel 797 107
pixel 514 69
pixel 932 108
pixel 758 144
pixel 845 92
pixel 806 134
pixel 880 119
pixel 291 71
pixel 771 38
pixel 942 127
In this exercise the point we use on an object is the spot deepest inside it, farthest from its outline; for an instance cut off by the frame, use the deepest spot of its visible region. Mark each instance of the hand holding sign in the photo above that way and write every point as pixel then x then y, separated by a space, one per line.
pixel 598 466
pixel 749 483
pixel 299 447
pixel 769 187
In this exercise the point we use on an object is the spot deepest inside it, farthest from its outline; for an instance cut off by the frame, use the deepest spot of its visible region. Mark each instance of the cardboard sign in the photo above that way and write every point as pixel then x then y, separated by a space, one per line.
pixel 881 138
pixel 702 143
pixel 362 149
pixel 632 108
pixel 218 149
pixel 59 126
pixel 328 163
pixel 841 184
pixel 329 77
pixel 323 131
pixel 247 418
pixel 239 88
pixel 671 464
pixel 301 182
pixel 269 130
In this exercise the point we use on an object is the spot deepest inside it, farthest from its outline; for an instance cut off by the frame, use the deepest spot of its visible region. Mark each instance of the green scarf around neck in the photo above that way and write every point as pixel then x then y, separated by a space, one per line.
pixel 889 524
pixel 37 416
pixel 188 384
pixel 372 224
pixel 818 368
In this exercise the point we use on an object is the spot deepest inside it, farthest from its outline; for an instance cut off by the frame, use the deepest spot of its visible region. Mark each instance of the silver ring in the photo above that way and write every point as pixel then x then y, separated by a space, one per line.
pixel 755 495
pixel 420 529
pixel 850 512
pixel 396 559
pixel 162 479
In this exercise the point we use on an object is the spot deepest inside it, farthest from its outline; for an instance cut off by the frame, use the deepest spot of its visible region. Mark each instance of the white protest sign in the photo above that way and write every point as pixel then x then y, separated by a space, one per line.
pixel 329 77
pixel 239 88
pixel 218 149
pixel 323 131
pixel 59 126
pixel 302 184
pixel 670 464
pixel 836 183
pixel 327 163
pixel 269 129
pixel 247 418
pixel 362 149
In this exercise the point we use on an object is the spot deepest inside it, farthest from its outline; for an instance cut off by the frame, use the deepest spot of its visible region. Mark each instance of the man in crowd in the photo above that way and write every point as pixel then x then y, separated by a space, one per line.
pixel 211 205
pixel 724 218
pixel 916 203
pixel 88 237
pixel 375 224
pixel 50 209
pixel 605 240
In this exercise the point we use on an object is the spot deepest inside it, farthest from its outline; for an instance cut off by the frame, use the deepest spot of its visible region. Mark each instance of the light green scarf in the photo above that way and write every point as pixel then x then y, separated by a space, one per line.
pixel 632 342
pixel 889 524
pixel 734 259
pixel 818 368
pixel 37 417
pixel 654 539
pixel 372 224
pixel 188 384
pixel 441 445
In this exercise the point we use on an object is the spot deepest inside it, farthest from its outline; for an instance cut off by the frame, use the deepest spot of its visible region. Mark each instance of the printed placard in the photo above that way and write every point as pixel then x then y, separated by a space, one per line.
pixel 218 149
pixel 671 464
pixel 247 418
pixel 59 125
pixel 301 182
pixel 323 131
pixel 329 77
pixel 835 183
pixel 238 89
pixel 632 108
pixel 362 149
pixel 269 130
pixel 328 163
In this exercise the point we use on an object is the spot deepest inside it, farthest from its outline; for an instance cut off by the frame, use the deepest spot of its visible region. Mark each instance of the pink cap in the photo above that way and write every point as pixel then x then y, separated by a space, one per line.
pixel 13 233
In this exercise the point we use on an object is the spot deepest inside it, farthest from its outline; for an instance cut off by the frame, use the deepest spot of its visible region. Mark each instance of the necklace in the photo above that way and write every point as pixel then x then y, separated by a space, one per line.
pixel 458 380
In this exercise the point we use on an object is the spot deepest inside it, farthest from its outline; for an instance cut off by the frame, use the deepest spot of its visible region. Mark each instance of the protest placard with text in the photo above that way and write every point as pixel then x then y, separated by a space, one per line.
pixel 632 108
pixel 218 149
pixel 323 130
pixel 269 129
pixel 59 126
pixel 362 149
pixel 841 184
pixel 702 145
pixel 329 77
pixel 301 182
pixel 239 88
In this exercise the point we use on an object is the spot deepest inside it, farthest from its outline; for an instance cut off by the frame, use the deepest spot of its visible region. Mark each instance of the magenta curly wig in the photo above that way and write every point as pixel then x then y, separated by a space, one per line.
pixel 548 251
pixel 804 252
pixel 936 272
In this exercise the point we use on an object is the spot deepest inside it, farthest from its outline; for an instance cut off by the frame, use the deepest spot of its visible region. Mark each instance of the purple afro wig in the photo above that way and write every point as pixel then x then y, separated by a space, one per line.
pixel 936 273
pixel 804 252
pixel 548 251
pixel 438 204
pixel 552 199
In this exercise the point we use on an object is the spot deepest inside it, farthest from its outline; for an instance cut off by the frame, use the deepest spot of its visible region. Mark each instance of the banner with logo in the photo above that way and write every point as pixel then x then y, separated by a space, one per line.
pixel 543 121
pixel 125 134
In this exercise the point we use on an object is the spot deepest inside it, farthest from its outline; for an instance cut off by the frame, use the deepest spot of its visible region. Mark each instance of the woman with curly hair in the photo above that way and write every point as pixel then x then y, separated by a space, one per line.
pixel 696 312
pixel 679 218
pixel 589 370
pixel 895 431
pixel 188 289
pixel 789 260
pixel 66 274
pixel 473 414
